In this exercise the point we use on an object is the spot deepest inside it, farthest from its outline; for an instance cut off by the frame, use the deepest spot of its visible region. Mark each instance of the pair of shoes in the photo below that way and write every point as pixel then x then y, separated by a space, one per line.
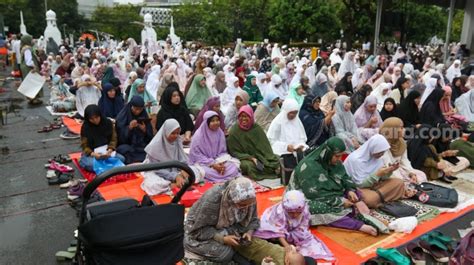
pixel 45 129
pixel 392 254
pixel 62 159
pixel 75 192
pixel 67 135
pixel 437 245
pixel 53 165
pixel 51 174
pixel 70 183
pixel 61 179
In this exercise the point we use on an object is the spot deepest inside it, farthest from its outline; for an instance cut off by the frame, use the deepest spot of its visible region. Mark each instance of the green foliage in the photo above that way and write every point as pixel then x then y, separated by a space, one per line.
pixel 34 15
pixel 117 20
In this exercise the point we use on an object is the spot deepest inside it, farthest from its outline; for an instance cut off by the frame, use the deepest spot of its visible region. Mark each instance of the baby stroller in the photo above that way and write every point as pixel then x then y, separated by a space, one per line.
pixel 125 232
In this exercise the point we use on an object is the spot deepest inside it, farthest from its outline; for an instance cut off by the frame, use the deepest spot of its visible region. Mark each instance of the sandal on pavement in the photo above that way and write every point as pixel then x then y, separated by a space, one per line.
pixel 416 253
pixel 63 178
pixel 378 261
pixel 59 167
pixel 70 183
pixel 45 129
pixel 393 255
pixel 50 174
pixel 64 255
pixel 435 248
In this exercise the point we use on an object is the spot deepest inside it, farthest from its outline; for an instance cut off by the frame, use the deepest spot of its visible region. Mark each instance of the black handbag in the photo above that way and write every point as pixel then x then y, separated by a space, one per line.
pixel 398 209
pixel 437 195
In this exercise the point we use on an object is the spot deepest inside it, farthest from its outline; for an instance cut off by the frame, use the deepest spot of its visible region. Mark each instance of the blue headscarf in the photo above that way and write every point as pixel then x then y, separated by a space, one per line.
pixel 134 136
pixel 110 107
pixel 268 99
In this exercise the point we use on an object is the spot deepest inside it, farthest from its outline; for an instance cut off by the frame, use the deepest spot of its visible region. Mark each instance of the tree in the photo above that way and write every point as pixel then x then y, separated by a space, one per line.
pixel 35 16
pixel 117 20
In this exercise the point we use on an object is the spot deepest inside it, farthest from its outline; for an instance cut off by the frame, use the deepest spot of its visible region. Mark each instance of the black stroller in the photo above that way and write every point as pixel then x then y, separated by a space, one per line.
pixel 126 232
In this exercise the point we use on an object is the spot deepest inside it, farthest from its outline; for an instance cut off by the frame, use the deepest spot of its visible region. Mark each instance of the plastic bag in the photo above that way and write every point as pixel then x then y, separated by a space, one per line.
pixel 404 224
pixel 103 165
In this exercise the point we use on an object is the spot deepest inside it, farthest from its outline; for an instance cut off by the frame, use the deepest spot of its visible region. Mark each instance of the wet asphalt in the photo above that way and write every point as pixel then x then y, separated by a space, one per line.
pixel 35 218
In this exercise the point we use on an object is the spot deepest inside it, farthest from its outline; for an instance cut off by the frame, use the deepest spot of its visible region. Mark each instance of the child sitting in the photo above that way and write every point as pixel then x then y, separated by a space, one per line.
pixel 288 221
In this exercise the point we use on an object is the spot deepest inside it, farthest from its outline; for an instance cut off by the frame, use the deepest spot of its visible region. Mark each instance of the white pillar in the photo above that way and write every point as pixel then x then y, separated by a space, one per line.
pixel 448 30
pixel 378 20
pixel 468 26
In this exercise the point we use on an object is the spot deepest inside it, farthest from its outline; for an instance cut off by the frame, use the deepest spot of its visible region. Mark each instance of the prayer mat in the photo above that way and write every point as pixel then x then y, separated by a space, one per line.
pixel 72 125
pixel 53 113
pixel 425 212
pixel 91 175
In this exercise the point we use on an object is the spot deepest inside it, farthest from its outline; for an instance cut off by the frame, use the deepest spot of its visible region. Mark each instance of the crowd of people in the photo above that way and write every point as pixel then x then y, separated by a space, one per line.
pixel 356 131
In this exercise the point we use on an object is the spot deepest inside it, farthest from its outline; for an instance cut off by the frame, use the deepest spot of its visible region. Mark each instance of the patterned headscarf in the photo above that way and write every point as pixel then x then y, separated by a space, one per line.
pixel 238 190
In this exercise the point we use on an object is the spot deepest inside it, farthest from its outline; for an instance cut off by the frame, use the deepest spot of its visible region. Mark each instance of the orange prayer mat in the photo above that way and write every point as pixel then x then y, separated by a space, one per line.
pixel 72 125
pixel 349 247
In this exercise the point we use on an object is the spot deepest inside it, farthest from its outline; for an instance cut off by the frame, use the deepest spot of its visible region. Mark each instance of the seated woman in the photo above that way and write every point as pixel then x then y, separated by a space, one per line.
pixel 111 103
pixel 399 89
pixel 241 99
pixel 87 93
pixel 134 130
pixel 465 104
pixel 327 102
pixel 197 95
pixel 465 148
pixel 430 112
pixel 61 99
pixel 228 96
pixel 252 89
pixel 367 118
pixel 287 135
pixel 409 111
pixel 450 114
pixel 138 89
pixel 267 110
pixel 381 92
pixel 209 151
pixel 344 123
pixel 316 124
pixel 166 146
pixel 96 131
pixel 173 106
pixel 223 217
pixel 297 92
pixel 330 192
pixel 392 129
pixel 288 222
pixel 359 96
pixel 389 110
pixel 214 104
pixel 452 162
pixel 368 171
pixel 248 143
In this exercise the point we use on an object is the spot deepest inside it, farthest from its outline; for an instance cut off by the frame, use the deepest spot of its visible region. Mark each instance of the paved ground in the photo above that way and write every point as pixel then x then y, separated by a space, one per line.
pixel 35 219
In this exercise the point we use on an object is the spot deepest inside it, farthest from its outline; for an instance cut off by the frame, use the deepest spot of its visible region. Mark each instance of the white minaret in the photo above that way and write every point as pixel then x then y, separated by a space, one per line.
pixel 52 30
pixel 174 39
pixel 148 32
pixel 22 25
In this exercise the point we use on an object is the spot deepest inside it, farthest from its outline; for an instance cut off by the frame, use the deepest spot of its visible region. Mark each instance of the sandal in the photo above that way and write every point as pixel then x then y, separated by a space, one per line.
pixel 435 248
pixel 64 255
pixel 416 253
pixel 378 261
pixel 446 240
pixel 393 255
pixel 51 174
pixel 45 129
pixel 70 183
pixel 63 178
pixel 59 167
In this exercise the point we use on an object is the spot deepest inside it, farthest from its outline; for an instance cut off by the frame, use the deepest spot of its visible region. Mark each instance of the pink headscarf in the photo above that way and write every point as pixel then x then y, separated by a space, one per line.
pixel 247 110
pixel 445 103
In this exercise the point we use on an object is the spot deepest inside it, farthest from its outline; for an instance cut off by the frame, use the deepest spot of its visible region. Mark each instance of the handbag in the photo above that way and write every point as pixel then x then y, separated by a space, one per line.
pixel 398 209
pixel 463 253
pixel 436 195
pixel 103 165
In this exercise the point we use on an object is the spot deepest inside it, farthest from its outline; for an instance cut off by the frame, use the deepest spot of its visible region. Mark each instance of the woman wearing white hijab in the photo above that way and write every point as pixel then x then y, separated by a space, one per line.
pixel 357 79
pixel 183 71
pixel 335 57
pixel 369 173
pixel 454 71
pixel 166 146
pixel 465 105
pixel 347 64
pixel 286 132
pixel 228 96
pixel 381 92
pixel 228 71
pixel 153 80
pixel 210 81
pixel 262 83
pixel 430 86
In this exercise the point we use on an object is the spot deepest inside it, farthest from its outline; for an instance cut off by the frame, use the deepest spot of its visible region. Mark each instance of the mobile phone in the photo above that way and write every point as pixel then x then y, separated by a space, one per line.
pixel 333 104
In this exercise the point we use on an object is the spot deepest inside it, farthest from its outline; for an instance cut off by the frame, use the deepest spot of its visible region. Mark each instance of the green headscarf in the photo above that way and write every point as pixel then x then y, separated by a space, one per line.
pixel 197 94
pixel 323 183
pixel 147 97
pixel 253 91
pixel 294 95
pixel 26 40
